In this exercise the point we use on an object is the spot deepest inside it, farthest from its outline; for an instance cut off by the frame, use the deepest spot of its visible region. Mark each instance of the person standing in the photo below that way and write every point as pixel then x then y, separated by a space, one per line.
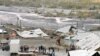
pixel 68 53
pixel 58 40
pixel 67 50
pixel 53 53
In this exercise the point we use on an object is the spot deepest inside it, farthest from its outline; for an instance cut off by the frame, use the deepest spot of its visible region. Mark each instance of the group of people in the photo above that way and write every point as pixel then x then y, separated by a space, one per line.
pixel 42 49
pixel 51 52
pixel 24 48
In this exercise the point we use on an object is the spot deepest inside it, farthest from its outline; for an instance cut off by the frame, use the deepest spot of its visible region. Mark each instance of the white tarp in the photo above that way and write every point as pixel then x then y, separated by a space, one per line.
pixel 39 31
pixel 64 29
pixel 67 28
pixel 81 36
pixel 75 38
pixel 81 53
pixel 97 32
pixel 89 42
pixel 32 33
pixel 80 31
pixel 14 45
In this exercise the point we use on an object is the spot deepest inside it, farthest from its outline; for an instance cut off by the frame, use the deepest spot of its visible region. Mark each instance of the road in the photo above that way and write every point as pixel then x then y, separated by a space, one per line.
pixel 35 20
